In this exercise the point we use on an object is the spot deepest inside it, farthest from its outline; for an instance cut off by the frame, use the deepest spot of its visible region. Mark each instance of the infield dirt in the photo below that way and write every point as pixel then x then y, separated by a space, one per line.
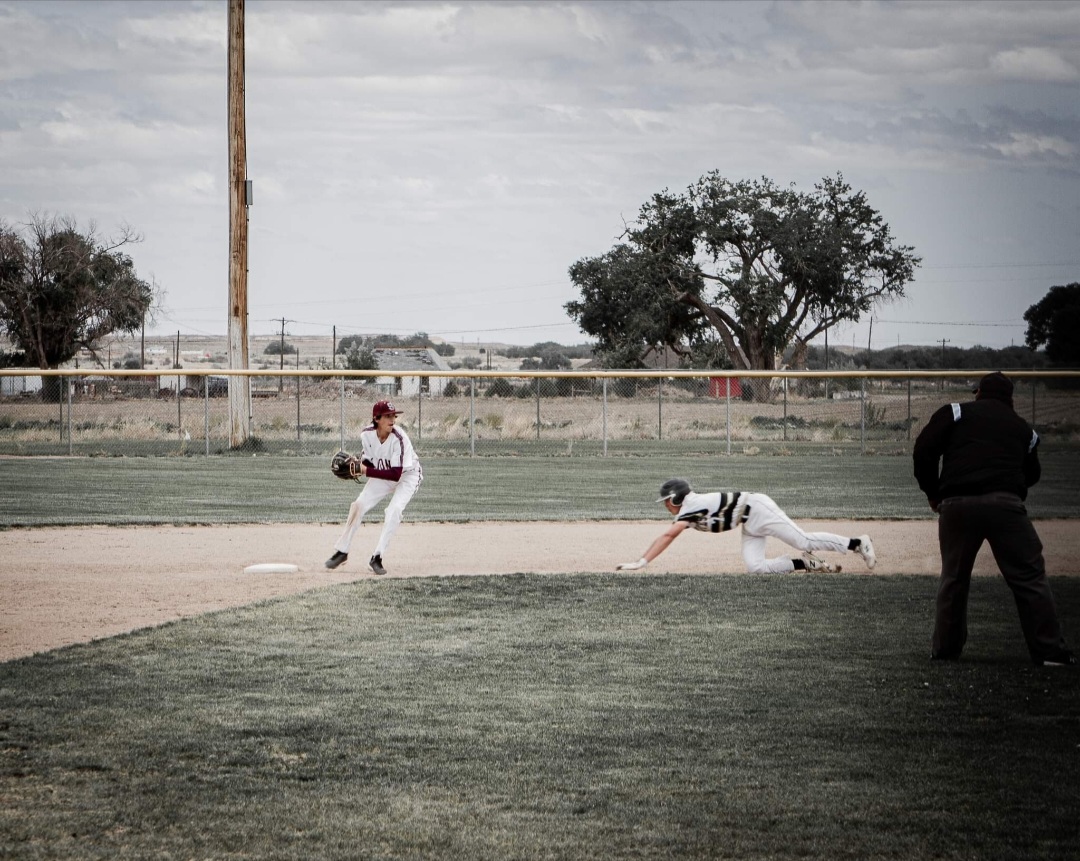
pixel 60 586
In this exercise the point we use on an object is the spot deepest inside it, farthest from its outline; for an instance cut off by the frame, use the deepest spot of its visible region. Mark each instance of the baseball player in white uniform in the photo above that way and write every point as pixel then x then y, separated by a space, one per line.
pixel 760 518
pixel 390 464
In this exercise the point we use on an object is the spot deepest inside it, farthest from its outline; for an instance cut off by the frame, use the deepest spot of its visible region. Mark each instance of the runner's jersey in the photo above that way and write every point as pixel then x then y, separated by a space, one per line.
pixel 714 512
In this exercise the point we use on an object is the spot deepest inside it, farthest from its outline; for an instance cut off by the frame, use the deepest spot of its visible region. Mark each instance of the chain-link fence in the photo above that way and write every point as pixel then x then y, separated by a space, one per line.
pixel 488 414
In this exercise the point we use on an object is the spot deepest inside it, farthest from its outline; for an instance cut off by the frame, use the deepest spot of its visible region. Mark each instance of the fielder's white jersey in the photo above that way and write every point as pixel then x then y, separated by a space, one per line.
pixel 396 452
pixel 714 512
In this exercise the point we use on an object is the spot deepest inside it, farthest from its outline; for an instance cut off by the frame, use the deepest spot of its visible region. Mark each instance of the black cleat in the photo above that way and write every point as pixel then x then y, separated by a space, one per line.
pixel 336 559
pixel 376 564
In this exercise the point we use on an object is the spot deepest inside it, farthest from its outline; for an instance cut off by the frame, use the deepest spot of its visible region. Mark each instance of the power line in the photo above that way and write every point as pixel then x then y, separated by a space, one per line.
pixel 508 328
pixel 1000 265
pixel 949 323
pixel 1015 279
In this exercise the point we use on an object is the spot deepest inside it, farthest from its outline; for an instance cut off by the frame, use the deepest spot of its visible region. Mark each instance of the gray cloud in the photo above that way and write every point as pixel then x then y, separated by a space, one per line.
pixel 411 147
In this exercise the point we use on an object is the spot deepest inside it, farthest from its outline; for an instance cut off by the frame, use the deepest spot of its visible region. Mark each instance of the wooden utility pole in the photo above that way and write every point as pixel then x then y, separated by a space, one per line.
pixel 239 386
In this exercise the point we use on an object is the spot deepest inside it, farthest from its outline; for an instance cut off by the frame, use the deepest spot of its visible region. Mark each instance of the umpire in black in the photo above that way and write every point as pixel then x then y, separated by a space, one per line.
pixel 989 458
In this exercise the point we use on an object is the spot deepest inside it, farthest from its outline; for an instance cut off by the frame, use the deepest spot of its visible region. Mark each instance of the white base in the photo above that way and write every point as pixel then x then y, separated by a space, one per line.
pixel 272 568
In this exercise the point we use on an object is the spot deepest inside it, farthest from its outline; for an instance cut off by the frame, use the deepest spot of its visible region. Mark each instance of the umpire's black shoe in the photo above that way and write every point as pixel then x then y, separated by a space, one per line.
pixel 336 559
pixel 376 564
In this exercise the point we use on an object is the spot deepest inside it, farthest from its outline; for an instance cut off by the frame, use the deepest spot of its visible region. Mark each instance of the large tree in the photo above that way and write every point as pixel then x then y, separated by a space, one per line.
pixel 62 290
pixel 1054 321
pixel 757 266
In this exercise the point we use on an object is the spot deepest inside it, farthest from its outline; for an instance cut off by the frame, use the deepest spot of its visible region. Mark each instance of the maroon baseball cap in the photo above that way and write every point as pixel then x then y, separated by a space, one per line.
pixel 384 408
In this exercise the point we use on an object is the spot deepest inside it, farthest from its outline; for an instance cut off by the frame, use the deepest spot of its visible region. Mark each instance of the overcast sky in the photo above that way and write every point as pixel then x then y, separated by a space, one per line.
pixel 439 166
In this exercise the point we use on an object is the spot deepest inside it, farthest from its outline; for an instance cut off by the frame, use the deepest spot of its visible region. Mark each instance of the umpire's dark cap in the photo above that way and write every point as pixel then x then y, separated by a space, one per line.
pixel 995 385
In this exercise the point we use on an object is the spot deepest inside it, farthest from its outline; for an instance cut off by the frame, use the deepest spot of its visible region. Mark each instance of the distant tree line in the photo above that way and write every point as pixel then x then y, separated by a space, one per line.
pixel 359 351
pixel 928 359
pixel 552 356
pixel 580 351
pixel 418 341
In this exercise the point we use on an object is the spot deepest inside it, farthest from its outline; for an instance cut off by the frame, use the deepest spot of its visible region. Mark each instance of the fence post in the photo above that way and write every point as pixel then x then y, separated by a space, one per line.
pixel 341 422
pixel 71 439
pixel 862 416
pixel 604 412
pixel 727 404
pixel 1033 381
pixel 419 411
pixel 179 420
pixel 538 409
pixel 785 407
pixel 909 408
pixel 298 443
pixel 472 416
pixel 206 413
pixel 659 408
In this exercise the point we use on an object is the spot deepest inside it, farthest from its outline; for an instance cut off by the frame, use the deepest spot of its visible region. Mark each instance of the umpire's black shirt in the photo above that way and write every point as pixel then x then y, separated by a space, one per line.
pixel 985 448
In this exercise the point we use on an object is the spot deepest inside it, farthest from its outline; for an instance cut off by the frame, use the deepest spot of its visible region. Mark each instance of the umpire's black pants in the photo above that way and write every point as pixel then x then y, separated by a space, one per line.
pixel 1000 519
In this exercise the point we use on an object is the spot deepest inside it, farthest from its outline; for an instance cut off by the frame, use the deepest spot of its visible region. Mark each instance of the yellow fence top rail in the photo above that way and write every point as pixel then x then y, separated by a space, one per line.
pixel 465 373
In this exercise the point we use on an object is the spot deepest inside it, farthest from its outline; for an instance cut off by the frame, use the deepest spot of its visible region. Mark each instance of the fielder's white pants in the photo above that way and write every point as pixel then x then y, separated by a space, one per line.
pixel 375 491
pixel 766 520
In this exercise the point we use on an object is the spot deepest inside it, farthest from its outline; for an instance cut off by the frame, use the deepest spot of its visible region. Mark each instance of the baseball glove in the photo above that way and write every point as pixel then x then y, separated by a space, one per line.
pixel 345 466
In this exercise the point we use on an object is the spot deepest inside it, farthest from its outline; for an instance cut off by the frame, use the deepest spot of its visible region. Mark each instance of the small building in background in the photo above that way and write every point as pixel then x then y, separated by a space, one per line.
pixel 412 359
pixel 723 387
pixel 29 385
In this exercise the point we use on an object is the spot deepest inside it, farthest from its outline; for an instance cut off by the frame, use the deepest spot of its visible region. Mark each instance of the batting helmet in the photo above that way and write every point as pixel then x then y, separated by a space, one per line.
pixel 674 489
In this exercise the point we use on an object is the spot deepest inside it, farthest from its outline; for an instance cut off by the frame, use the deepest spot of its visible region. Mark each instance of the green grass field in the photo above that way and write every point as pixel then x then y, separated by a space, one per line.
pixel 555 717
pixel 537 717
pixel 61 491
